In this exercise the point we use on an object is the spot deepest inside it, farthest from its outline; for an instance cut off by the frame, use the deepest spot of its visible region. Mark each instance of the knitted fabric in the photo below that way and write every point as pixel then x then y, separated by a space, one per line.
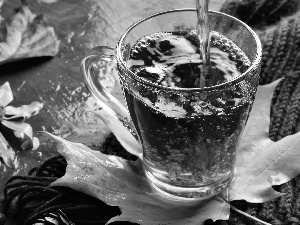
pixel 277 22
pixel 260 13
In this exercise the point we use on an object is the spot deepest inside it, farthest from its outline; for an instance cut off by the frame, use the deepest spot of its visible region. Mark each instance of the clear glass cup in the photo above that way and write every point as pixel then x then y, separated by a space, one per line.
pixel 185 154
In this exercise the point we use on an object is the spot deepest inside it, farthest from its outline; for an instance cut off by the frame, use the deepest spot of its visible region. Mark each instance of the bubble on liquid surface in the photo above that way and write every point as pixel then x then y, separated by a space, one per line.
pixel 173 59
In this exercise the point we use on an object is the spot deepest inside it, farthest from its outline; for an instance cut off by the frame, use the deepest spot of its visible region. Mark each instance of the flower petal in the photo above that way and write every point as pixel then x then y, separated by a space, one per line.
pixel 19 134
pixel 35 143
pixel 6 152
pixel 25 111
pixel 26 145
pixel 6 95
pixel 30 144
pixel 22 127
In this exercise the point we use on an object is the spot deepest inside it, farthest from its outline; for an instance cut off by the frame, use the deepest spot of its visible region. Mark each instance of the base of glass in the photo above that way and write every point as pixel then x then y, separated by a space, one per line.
pixel 191 193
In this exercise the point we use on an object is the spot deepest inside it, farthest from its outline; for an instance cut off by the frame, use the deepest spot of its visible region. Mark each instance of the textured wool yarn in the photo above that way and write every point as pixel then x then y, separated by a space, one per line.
pixel 277 23
pixel 260 13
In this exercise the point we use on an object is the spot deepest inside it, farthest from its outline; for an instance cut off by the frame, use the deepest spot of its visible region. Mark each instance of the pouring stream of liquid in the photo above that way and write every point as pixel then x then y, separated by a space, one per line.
pixel 203 31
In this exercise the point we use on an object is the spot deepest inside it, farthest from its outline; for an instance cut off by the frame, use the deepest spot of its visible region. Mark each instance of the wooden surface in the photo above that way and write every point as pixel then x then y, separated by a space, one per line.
pixel 57 82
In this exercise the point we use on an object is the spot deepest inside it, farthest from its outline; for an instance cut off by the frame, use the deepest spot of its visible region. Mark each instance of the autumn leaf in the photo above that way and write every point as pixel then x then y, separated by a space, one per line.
pixel 122 183
pixel 27 35
pixel 262 163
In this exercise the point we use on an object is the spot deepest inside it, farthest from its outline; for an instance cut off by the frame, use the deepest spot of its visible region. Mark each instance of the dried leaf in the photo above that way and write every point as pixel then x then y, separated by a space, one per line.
pixel 122 183
pixel 28 36
pixel 38 40
pixel 261 162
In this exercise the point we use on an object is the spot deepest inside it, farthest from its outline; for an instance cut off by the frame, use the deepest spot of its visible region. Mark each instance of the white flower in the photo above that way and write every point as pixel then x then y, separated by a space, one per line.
pixel 12 119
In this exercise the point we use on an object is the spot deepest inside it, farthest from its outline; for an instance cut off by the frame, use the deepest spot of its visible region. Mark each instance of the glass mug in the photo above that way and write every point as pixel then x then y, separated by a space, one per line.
pixel 185 154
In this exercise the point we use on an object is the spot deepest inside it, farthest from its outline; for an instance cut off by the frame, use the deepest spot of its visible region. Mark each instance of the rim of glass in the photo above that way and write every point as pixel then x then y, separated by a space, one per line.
pixel 254 64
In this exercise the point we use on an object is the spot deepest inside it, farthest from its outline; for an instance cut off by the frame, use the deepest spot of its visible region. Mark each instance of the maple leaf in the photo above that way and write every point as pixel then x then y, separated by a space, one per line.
pixel 27 35
pixel 122 183
pixel 261 163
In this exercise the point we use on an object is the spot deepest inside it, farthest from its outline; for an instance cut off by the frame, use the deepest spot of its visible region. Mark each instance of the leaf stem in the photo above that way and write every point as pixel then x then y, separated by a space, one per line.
pixel 247 215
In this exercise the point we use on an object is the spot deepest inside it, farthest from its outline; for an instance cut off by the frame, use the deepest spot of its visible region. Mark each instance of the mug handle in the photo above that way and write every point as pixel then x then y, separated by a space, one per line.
pixel 113 113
